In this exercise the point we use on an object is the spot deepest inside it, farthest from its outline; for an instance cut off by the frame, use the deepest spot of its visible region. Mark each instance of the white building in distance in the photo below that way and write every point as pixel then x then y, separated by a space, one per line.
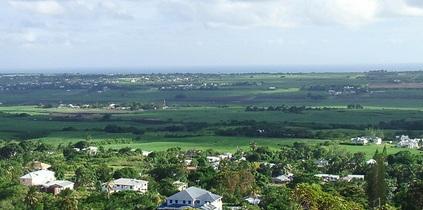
pixel 407 142
pixel 363 140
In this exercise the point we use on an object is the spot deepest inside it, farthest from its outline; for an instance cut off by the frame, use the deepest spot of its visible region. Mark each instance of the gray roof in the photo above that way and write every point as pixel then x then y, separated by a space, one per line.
pixel 129 182
pixel 61 183
pixel 195 193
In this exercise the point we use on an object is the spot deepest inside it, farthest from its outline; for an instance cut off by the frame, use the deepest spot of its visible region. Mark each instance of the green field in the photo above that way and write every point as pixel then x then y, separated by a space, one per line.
pixel 215 101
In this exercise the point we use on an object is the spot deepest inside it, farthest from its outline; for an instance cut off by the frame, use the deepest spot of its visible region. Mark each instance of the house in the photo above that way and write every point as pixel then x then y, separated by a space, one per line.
pixel 91 150
pixel 253 200
pixel 282 179
pixel 328 177
pixel 193 197
pixel 359 140
pixel 37 165
pixel 363 140
pixel 57 186
pixel 37 178
pixel 407 142
pixel 371 162
pixel 123 184
pixel 181 186
pixel 349 178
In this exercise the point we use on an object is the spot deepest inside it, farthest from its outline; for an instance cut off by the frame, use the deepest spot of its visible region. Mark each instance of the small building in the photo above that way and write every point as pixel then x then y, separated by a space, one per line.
pixel 371 162
pixel 350 178
pixel 328 177
pixel 37 178
pixel 57 186
pixel 283 179
pixel 407 142
pixel 181 186
pixel 37 165
pixel 363 140
pixel 253 200
pixel 193 197
pixel 91 150
pixel 123 184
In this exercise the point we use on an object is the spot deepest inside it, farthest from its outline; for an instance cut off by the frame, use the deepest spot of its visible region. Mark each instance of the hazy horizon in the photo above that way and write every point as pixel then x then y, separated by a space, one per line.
pixel 225 69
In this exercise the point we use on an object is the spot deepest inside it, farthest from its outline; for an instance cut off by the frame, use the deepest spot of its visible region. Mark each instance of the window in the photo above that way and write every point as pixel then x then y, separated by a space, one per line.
pixel 197 202
pixel 184 202
pixel 170 201
pixel 176 201
pixel 189 202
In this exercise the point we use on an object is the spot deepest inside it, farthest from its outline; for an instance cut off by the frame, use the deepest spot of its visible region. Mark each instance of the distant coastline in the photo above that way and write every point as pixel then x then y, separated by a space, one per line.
pixel 225 69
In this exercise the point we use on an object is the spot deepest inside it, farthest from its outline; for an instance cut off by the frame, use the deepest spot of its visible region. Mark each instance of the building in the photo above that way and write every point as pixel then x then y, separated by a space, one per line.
pixel 37 165
pixel 363 140
pixel 253 200
pixel 123 184
pixel 181 186
pixel 328 177
pixel 359 140
pixel 57 186
pixel 282 179
pixel 407 142
pixel 193 197
pixel 350 178
pixel 37 178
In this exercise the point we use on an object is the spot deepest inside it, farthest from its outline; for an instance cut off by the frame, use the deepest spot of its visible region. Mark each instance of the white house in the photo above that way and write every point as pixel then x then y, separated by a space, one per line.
pixel 328 177
pixel 57 186
pixel 253 200
pixel 363 140
pixel 123 184
pixel 283 178
pixel 359 140
pixel 371 162
pixel 407 142
pixel 37 178
pixel 349 178
pixel 193 197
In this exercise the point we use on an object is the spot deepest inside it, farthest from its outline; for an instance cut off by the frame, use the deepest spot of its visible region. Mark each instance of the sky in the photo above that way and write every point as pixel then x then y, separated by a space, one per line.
pixel 36 35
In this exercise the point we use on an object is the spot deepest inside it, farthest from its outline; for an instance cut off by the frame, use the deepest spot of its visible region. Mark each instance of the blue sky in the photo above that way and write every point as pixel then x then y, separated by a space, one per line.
pixel 72 34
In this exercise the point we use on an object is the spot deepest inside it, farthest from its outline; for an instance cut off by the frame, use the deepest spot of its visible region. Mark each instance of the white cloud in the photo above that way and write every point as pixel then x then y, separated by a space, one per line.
pixel 287 13
pixel 45 7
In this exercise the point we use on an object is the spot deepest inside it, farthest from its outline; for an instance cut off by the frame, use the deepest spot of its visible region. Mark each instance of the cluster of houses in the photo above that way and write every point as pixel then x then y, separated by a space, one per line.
pixel 186 198
pixel 364 140
pixel 403 141
pixel 407 142
pixel 44 179
pixel 286 178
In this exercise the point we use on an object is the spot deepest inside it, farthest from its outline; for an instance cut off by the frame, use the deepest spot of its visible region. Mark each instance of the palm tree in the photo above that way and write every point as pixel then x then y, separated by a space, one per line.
pixel 68 200
pixel 32 198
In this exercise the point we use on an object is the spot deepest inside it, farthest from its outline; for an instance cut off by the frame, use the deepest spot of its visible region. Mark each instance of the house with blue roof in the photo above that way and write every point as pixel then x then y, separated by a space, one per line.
pixel 193 197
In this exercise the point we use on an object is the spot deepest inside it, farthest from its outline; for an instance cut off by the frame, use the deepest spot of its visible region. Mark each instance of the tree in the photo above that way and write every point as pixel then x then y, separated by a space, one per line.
pixel 275 198
pixel 81 144
pixel 376 183
pixel 32 198
pixel 313 198
pixel 85 177
pixel 68 200
pixel 10 150
pixel 413 199
pixel 125 173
